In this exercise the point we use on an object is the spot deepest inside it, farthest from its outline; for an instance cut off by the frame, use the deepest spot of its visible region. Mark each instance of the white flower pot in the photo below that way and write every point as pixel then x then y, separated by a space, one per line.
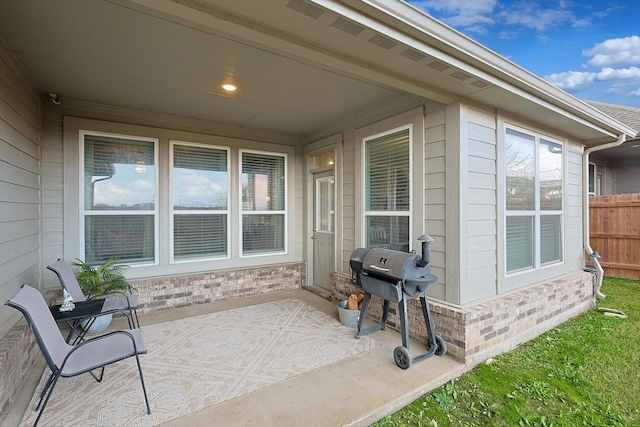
pixel 100 323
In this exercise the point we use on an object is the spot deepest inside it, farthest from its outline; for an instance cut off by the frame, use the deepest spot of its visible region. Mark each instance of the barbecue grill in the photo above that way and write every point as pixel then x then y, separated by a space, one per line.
pixel 397 277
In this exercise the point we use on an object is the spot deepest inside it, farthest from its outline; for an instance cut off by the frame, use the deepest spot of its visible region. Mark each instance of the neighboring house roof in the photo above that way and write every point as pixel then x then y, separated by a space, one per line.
pixel 627 115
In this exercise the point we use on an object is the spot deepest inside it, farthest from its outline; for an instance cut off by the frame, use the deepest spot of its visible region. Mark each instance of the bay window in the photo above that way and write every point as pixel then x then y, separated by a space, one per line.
pixel 534 200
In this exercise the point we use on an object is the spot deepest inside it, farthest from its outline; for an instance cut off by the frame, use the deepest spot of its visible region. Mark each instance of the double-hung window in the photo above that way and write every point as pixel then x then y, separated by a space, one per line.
pixel 387 172
pixel 119 209
pixel 534 201
pixel 264 199
pixel 200 190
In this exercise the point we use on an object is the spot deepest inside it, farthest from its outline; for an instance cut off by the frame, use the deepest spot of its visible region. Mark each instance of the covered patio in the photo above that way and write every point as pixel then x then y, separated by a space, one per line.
pixel 356 390
pixel 236 153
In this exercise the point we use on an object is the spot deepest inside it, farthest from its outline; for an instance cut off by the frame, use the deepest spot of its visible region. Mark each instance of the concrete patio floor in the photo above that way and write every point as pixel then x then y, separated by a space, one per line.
pixel 356 391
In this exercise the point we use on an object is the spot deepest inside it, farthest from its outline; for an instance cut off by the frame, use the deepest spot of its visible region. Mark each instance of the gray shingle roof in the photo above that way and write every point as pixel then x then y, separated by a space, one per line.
pixel 629 116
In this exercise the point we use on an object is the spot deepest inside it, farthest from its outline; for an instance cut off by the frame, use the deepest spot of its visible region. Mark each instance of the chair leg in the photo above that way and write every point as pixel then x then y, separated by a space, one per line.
pixel 101 375
pixel 137 322
pixel 44 390
pixel 144 389
pixel 53 382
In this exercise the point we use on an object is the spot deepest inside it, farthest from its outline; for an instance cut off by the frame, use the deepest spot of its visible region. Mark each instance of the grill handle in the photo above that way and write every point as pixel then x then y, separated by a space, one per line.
pixel 375 267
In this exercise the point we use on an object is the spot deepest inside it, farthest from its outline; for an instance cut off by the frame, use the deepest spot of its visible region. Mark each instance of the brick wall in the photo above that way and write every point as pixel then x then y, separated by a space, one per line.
pixel 476 333
pixel 161 293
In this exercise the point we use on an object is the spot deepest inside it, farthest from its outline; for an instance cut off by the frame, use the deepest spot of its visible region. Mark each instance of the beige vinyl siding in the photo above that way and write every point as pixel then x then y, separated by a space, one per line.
pixel 627 175
pixel 481 208
pixel 19 185
pixel 52 195
pixel 435 202
pixel 348 202
pixel 573 250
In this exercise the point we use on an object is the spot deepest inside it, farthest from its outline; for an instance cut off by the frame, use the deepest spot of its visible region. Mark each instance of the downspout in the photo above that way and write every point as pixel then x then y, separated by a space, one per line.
pixel 585 210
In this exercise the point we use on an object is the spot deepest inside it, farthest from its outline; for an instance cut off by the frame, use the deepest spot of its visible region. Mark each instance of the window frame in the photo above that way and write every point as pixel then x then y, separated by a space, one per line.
pixel 537 212
pixel 83 212
pixel 241 212
pixel 173 212
pixel 409 212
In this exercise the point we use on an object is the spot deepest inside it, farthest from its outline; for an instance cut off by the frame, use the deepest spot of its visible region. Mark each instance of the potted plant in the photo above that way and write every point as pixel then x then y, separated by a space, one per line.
pixel 96 281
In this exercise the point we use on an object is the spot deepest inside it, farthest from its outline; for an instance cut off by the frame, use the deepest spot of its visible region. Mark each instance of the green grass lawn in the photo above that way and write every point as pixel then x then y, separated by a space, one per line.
pixel 585 372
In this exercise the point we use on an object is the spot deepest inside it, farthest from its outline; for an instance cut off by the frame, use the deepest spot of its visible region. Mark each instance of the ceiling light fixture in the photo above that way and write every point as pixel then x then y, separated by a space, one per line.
pixel 229 87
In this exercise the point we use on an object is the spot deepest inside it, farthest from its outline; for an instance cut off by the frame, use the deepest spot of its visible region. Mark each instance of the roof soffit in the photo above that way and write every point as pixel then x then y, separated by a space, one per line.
pixel 422 56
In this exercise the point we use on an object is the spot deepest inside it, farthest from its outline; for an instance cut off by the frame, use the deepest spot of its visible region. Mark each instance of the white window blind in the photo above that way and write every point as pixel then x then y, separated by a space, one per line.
pixel 263 203
pixel 534 201
pixel 388 190
pixel 119 199
pixel 200 202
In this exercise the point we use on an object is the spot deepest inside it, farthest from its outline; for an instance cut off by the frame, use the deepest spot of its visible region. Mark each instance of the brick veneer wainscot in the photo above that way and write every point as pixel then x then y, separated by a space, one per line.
pixel 474 334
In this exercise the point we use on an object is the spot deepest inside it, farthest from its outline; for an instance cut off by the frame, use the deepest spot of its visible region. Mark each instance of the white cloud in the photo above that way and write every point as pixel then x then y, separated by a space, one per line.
pixel 198 188
pixel 612 52
pixel 532 15
pixel 618 78
pixel 634 93
pixel 572 80
pixel 631 73
pixel 473 16
pixel 118 194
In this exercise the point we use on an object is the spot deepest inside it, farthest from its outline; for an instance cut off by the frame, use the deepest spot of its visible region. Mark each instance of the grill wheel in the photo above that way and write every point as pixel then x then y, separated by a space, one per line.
pixel 402 357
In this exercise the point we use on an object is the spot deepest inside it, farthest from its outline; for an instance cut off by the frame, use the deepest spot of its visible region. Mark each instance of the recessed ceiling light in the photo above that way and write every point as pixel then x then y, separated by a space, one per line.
pixel 229 87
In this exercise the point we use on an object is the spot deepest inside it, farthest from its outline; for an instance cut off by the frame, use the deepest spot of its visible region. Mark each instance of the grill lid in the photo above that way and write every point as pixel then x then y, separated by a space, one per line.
pixel 392 264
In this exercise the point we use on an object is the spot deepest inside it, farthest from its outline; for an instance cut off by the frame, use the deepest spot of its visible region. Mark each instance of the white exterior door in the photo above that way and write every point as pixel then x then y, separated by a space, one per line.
pixel 323 228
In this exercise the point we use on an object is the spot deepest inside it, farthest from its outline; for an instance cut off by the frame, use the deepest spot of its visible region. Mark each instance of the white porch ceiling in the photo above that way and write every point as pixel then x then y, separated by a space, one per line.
pixel 109 53
pixel 300 65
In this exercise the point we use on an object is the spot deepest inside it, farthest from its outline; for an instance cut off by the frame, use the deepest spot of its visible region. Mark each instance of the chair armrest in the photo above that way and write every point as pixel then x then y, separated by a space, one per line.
pixel 99 338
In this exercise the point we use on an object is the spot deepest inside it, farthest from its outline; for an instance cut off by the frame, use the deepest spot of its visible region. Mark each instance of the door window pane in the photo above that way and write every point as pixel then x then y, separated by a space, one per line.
pixel 325 204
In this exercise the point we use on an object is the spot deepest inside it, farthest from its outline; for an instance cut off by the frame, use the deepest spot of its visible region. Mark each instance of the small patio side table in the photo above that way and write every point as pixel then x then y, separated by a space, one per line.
pixel 84 310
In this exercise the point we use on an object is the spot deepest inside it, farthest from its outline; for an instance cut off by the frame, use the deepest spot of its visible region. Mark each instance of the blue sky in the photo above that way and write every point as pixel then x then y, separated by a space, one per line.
pixel 591 49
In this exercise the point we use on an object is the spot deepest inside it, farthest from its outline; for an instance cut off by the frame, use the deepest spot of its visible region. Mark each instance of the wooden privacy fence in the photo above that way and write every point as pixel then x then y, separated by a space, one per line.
pixel 614 226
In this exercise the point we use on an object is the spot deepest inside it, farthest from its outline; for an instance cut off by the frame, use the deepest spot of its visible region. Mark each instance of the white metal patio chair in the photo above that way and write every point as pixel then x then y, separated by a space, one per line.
pixel 66 360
